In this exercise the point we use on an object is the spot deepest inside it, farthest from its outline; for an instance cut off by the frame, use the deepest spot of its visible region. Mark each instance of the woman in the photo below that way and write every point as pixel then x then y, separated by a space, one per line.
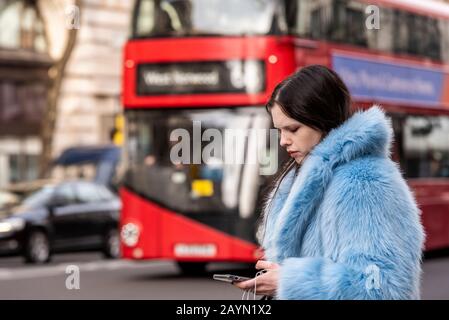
pixel 340 223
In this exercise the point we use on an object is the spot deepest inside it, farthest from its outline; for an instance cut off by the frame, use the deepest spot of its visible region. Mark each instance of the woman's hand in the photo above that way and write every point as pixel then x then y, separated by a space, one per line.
pixel 266 283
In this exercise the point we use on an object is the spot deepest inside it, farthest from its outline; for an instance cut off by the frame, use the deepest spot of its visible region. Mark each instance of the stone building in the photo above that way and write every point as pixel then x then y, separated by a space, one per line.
pixel 33 36
pixel 24 65
pixel 90 93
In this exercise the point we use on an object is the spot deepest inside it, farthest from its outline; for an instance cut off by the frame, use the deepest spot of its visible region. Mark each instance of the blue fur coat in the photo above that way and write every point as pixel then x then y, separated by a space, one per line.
pixel 347 226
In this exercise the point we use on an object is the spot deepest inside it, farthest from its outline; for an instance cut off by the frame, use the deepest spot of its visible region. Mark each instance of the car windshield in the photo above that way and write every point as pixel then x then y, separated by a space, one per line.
pixel 39 198
pixel 156 18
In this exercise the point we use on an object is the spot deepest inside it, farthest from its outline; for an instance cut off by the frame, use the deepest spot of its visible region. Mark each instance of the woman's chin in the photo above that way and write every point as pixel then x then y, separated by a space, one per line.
pixel 299 159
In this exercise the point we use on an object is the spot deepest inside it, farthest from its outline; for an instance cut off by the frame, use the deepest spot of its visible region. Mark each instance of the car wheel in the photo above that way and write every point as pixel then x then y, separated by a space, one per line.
pixel 192 268
pixel 111 248
pixel 37 248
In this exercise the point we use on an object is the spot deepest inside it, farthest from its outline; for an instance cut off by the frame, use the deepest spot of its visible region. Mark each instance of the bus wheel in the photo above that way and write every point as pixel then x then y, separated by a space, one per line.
pixel 192 268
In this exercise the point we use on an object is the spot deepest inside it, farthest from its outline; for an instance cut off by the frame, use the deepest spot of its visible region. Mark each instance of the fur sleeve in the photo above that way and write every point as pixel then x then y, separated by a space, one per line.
pixel 372 236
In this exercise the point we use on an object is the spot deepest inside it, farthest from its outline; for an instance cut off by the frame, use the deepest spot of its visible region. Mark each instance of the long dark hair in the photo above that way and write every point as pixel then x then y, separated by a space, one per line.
pixel 318 98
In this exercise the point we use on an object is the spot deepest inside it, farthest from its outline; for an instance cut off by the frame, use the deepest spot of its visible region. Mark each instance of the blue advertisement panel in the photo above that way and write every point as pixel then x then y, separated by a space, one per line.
pixel 381 80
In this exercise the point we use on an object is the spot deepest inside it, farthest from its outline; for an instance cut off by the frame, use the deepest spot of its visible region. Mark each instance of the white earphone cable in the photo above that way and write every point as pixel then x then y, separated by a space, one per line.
pixel 248 291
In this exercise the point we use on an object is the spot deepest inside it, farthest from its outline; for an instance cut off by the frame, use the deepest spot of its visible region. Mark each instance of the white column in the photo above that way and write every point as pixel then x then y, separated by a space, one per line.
pixel 4 170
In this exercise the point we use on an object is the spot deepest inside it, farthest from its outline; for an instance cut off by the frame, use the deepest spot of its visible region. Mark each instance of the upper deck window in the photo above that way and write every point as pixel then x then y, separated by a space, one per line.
pixel 400 32
pixel 183 18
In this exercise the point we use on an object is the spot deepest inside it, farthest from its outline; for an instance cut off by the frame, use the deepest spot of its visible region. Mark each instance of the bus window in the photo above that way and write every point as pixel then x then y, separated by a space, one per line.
pixel 349 23
pixel 444 27
pixel 433 35
pixel 337 20
pixel 180 18
pixel 309 19
pixel 426 146
pixel 344 21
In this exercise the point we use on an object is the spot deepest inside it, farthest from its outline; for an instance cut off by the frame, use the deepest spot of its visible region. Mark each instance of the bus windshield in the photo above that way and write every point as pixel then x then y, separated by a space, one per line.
pixel 166 18
pixel 210 185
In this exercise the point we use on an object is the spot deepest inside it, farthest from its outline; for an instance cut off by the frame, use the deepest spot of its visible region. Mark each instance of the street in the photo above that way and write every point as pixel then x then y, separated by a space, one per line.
pixel 110 279
pixel 121 279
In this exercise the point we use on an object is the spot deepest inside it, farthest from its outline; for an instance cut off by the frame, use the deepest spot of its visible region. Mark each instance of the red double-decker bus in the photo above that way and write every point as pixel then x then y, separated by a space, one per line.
pixel 216 62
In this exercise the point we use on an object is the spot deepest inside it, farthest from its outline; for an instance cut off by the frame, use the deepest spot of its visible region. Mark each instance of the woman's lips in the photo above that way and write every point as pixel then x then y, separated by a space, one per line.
pixel 294 154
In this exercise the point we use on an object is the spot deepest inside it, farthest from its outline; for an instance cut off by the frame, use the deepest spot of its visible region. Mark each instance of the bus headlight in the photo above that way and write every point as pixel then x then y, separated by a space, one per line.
pixel 12 224
pixel 130 234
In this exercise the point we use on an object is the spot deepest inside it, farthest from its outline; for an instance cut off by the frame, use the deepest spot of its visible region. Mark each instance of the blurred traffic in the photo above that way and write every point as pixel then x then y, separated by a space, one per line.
pixel 44 217
pixel 70 216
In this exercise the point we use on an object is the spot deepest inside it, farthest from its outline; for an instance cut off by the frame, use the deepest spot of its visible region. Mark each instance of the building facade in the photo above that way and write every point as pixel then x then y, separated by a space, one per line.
pixel 90 94
pixel 33 36
pixel 24 66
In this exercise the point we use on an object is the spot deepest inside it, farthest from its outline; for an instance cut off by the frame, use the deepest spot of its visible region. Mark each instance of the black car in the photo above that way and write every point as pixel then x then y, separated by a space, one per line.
pixel 70 216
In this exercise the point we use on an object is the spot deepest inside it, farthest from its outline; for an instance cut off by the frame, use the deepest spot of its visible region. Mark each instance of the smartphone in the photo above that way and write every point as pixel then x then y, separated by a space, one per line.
pixel 230 278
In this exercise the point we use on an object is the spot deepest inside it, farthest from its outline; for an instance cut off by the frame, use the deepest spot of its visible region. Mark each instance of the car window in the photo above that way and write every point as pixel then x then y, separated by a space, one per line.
pixel 105 193
pixel 39 198
pixel 64 195
pixel 87 192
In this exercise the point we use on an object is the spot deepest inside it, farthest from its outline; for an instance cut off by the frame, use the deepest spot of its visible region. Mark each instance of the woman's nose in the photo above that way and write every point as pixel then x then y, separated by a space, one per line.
pixel 284 142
